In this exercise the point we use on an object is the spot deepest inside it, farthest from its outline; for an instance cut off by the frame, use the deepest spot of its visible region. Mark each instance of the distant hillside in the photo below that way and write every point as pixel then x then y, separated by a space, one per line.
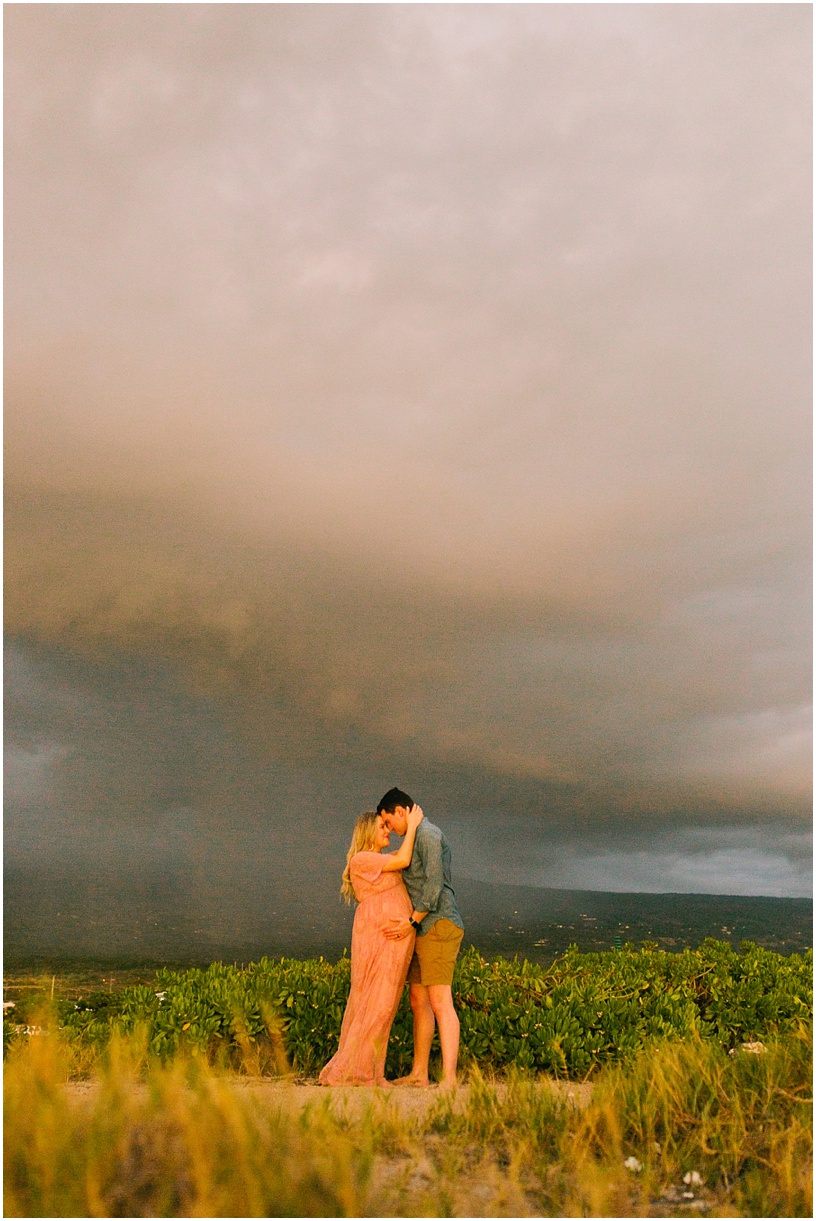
pixel 539 922
pixel 51 918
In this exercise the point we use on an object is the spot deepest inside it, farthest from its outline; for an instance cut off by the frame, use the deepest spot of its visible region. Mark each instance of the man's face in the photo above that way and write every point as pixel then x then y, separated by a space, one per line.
pixel 396 822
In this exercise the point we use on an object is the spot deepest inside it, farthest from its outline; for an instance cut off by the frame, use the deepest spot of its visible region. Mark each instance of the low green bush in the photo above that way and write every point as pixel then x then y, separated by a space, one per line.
pixel 581 1011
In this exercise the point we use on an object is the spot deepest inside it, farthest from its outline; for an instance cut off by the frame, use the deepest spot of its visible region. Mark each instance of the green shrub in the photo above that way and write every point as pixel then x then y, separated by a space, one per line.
pixel 583 1010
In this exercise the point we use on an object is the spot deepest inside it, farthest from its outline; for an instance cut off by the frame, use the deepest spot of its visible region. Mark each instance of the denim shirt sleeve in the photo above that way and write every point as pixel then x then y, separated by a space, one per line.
pixel 430 850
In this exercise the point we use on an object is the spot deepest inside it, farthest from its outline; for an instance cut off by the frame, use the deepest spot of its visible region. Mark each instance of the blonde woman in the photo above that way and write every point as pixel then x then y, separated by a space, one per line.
pixel 378 965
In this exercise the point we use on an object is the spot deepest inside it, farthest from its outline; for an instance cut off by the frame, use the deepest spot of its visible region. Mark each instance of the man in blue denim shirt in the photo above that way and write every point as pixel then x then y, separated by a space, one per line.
pixel 439 931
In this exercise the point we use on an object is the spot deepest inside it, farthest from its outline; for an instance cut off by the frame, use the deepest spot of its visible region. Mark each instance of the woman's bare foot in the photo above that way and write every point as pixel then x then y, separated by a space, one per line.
pixel 417 1082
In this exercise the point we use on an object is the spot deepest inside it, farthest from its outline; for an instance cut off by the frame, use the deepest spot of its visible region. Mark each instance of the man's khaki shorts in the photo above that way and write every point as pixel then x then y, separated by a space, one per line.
pixel 435 954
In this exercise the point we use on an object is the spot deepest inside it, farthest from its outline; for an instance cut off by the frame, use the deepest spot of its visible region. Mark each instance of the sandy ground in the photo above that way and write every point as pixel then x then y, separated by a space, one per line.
pixel 353 1101
pixel 406 1099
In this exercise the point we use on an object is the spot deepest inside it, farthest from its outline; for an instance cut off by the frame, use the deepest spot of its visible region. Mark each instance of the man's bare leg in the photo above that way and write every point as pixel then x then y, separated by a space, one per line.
pixel 440 998
pixel 424 1025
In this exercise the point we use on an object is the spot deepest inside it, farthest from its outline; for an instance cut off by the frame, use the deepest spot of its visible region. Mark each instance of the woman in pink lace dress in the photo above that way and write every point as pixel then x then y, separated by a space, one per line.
pixel 378 965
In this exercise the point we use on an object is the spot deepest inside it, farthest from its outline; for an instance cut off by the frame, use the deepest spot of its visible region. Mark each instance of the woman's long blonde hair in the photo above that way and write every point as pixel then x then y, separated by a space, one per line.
pixel 361 840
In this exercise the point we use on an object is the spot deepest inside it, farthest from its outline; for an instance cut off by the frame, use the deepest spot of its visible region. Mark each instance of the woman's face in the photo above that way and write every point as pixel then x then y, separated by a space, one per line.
pixel 382 836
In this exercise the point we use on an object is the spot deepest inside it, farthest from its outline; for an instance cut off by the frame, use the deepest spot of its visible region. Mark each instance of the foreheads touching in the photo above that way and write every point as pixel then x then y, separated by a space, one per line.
pixel 394 807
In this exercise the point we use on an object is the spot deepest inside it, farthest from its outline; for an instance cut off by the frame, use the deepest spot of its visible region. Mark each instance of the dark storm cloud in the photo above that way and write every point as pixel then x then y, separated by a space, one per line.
pixel 428 385
pixel 119 782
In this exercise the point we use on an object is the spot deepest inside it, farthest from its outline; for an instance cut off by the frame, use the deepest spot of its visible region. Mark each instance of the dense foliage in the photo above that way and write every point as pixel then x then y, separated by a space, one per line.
pixel 583 1010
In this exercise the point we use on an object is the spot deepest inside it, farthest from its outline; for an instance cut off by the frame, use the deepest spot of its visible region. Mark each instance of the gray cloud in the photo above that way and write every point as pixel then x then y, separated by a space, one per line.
pixel 426 385
pixel 676 857
pixel 117 776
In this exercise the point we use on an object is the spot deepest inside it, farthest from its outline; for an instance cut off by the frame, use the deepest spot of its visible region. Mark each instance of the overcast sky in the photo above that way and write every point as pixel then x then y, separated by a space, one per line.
pixel 418 395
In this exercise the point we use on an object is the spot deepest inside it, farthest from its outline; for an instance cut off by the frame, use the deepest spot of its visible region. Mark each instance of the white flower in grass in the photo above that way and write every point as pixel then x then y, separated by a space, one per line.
pixel 161 995
pixel 692 1178
pixel 633 1164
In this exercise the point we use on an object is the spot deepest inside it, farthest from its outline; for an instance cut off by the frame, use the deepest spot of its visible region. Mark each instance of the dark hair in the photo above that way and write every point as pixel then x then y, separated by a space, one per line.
pixel 392 799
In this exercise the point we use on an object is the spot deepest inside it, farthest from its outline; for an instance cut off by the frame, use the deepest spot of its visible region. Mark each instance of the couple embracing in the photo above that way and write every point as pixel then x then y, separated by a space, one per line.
pixel 406 925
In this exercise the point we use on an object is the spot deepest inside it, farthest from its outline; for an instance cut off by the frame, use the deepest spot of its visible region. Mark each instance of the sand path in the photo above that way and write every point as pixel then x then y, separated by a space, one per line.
pixel 352 1101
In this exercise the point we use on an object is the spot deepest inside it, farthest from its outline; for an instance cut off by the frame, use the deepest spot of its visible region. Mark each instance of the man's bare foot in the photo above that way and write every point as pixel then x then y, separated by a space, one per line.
pixel 418 1083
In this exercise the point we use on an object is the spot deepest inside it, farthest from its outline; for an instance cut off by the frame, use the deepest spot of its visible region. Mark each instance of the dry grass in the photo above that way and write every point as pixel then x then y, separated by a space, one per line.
pixel 184 1139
